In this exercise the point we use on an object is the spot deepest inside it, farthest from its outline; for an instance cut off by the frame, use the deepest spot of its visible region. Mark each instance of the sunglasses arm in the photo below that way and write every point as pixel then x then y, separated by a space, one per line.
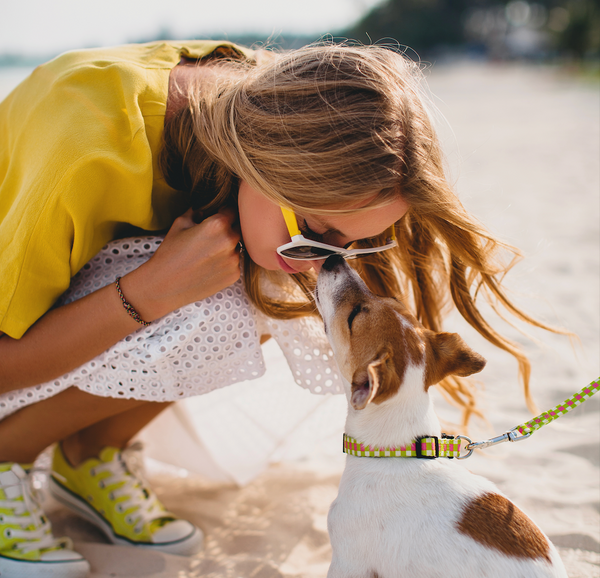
pixel 291 223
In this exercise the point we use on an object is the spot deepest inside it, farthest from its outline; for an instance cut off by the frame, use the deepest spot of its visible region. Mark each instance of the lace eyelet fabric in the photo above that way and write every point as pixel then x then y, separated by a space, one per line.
pixel 203 346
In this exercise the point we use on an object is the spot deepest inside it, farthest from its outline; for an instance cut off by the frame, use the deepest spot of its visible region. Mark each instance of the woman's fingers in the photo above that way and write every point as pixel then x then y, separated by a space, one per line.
pixel 193 262
pixel 185 221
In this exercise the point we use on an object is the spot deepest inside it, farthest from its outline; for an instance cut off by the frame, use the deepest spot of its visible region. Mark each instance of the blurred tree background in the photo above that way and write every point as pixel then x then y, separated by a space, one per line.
pixel 510 29
pixel 545 30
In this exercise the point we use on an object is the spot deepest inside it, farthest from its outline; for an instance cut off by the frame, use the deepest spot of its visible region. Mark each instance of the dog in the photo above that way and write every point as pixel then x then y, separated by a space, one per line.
pixel 405 517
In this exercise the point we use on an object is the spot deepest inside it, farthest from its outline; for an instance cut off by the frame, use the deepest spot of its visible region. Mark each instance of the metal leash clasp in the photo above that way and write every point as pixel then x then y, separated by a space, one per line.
pixel 512 435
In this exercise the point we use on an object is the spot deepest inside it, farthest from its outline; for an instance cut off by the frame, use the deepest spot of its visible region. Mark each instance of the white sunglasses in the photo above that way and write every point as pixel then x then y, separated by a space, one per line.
pixel 300 248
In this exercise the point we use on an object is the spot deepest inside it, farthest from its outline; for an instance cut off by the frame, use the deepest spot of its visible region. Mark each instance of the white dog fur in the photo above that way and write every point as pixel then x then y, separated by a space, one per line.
pixel 410 517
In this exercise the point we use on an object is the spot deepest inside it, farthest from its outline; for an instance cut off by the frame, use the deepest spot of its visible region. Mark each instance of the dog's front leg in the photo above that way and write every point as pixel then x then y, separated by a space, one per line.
pixel 348 559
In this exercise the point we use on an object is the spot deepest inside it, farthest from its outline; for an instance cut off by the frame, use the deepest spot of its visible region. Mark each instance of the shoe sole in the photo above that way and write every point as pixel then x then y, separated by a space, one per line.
pixel 12 568
pixel 186 546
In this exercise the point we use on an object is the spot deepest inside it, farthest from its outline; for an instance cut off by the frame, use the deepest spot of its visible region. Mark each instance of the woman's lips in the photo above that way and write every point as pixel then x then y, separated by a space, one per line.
pixel 284 266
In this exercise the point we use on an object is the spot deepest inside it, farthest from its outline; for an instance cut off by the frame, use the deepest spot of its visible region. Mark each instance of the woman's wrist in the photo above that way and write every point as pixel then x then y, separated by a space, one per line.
pixel 129 308
pixel 144 294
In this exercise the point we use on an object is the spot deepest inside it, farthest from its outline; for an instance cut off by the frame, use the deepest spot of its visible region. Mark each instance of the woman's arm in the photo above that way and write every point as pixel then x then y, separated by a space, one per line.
pixel 192 263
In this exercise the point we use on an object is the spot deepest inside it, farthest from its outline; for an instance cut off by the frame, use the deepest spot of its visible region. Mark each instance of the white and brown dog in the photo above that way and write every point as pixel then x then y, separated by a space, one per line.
pixel 408 517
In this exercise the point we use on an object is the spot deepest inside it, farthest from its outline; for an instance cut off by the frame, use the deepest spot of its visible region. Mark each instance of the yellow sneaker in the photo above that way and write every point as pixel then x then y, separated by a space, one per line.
pixel 106 493
pixel 27 547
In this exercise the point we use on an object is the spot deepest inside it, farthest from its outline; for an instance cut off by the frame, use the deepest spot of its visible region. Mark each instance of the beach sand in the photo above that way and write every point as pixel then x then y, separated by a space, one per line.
pixel 523 150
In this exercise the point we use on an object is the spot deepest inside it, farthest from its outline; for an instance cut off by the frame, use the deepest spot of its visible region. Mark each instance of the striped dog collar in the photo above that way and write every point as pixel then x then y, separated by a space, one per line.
pixel 449 446
pixel 425 447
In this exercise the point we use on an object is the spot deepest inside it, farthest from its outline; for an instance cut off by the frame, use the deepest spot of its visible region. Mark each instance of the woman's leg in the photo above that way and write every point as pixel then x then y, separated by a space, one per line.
pixel 115 431
pixel 103 491
pixel 27 432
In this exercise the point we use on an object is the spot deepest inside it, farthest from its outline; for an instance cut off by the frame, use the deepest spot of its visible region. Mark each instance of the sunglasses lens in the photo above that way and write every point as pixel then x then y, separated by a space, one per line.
pixel 307 252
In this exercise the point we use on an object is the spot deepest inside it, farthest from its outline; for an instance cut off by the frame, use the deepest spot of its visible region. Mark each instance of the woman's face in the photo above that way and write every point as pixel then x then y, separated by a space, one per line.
pixel 263 228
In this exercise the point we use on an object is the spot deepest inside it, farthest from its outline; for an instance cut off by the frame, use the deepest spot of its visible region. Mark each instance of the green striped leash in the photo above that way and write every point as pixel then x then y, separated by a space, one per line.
pixel 450 446
pixel 525 430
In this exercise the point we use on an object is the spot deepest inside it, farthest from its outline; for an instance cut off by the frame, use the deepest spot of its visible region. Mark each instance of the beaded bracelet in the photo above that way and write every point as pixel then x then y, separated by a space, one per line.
pixel 129 307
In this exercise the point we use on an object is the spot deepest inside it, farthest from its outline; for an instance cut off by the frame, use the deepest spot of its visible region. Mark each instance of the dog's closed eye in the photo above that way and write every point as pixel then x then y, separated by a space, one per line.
pixel 357 309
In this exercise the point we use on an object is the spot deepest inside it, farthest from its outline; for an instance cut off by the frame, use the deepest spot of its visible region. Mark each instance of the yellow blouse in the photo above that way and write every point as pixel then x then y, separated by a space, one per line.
pixel 79 141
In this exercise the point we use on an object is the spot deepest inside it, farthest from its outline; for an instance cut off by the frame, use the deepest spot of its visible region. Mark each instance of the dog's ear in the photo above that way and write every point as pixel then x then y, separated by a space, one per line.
pixel 450 355
pixel 366 384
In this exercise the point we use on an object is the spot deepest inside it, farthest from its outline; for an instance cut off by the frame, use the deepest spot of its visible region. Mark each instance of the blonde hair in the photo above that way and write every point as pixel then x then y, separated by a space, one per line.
pixel 331 125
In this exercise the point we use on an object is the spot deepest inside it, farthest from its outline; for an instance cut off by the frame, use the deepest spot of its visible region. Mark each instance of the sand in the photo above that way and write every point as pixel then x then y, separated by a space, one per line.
pixel 523 150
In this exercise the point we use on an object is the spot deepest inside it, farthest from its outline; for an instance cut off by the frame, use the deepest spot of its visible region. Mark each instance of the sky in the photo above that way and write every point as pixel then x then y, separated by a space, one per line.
pixel 37 27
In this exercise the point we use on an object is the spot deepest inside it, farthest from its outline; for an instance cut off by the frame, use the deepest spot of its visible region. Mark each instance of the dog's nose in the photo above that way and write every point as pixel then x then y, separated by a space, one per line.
pixel 332 262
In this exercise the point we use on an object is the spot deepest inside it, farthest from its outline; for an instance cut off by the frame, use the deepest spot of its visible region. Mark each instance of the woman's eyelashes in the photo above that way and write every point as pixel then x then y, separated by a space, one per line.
pixel 309 233
pixel 325 237
pixel 319 237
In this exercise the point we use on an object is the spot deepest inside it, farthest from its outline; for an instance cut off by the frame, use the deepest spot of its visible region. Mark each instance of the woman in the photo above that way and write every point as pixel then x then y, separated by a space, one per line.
pixel 101 144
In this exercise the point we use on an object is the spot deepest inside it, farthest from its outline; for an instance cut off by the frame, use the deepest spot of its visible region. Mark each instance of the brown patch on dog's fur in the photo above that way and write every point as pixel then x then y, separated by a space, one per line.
pixel 384 361
pixel 379 376
pixel 404 345
pixel 497 523
pixel 448 354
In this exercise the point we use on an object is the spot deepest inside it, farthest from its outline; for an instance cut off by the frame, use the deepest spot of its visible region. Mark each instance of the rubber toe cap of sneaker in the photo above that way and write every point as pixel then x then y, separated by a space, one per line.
pixel 179 537
pixel 173 532
pixel 60 556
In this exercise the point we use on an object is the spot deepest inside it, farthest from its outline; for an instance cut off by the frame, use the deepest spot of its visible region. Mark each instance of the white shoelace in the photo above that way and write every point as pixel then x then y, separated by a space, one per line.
pixel 145 503
pixel 26 512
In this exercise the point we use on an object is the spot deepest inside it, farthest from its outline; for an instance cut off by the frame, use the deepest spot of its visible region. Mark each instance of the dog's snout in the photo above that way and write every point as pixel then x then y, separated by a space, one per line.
pixel 332 262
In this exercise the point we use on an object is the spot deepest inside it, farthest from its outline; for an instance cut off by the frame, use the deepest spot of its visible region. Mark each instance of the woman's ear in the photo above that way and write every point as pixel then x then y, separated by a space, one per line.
pixel 447 355
pixel 366 384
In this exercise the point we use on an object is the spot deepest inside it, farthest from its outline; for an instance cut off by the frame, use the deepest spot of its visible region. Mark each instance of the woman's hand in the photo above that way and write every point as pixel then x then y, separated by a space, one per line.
pixel 193 262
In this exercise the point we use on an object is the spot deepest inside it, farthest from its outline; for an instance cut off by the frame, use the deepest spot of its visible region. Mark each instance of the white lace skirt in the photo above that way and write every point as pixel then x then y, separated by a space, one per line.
pixel 193 350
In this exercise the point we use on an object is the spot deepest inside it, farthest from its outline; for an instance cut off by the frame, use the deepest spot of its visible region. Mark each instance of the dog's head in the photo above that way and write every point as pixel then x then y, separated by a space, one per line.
pixel 376 339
